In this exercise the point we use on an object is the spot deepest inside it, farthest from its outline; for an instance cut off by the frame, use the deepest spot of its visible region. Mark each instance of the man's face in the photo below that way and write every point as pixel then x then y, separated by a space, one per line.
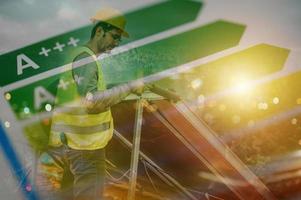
pixel 109 40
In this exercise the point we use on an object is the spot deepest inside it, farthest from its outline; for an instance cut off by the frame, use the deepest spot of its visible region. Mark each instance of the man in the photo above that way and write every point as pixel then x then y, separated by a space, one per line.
pixel 82 123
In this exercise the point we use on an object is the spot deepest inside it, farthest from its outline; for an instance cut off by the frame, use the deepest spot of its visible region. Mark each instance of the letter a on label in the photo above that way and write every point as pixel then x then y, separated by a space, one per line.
pixel 41 95
pixel 27 63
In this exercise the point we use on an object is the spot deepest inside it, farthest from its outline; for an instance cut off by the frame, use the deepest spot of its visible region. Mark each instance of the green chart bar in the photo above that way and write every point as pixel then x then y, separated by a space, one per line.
pixel 173 51
pixel 246 103
pixel 52 52
pixel 229 71
pixel 262 102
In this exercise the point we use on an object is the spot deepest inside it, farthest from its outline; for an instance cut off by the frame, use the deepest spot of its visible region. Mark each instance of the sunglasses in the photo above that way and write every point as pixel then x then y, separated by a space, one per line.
pixel 116 36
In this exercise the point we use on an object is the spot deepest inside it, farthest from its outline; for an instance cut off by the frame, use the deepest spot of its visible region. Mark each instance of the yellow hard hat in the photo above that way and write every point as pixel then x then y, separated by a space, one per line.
pixel 111 16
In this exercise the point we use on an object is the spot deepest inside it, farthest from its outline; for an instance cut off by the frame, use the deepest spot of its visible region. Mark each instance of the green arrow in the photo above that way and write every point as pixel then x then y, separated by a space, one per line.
pixel 274 130
pixel 141 23
pixel 245 107
pixel 229 71
pixel 173 51
pixel 160 17
pixel 263 102
pixel 151 58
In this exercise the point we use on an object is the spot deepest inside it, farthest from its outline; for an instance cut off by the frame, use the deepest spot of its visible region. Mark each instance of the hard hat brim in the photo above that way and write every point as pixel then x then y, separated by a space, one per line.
pixel 124 33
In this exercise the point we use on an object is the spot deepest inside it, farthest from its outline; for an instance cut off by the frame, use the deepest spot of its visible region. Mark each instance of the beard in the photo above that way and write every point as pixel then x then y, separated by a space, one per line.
pixel 109 48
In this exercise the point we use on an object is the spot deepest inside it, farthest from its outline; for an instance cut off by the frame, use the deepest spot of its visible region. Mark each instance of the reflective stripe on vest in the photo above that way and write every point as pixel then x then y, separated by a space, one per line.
pixel 80 130
pixel 83 130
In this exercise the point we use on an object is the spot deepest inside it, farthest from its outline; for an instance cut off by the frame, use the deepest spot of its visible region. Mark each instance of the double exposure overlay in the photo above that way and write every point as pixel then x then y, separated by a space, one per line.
pixel 154 100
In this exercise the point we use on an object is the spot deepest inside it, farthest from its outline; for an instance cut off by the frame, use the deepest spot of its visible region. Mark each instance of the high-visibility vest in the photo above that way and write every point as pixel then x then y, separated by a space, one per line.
pixel 82 130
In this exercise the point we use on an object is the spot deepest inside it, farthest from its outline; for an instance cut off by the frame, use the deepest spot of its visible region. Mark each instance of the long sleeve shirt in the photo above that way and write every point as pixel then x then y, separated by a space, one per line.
pixel 87 80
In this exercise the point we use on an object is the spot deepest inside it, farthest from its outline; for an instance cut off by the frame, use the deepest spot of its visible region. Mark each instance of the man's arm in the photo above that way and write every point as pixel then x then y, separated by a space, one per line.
pixel 102 100
pixel 86 78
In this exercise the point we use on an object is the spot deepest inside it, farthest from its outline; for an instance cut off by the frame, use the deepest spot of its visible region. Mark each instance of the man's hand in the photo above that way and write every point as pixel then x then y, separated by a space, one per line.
pixel 138 91
pixel 138 87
